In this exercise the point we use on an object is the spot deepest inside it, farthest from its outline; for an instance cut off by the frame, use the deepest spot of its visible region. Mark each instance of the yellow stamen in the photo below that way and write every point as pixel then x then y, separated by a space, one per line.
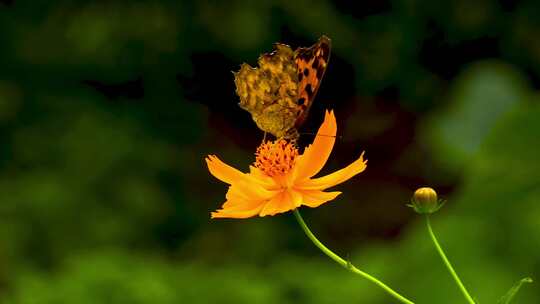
pixel 276 158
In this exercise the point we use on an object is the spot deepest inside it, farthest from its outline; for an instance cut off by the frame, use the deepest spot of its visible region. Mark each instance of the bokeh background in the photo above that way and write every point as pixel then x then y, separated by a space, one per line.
pixel 107 110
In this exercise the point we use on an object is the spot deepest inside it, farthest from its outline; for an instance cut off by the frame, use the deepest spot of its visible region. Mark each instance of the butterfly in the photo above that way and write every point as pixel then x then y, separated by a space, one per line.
pixel 280 91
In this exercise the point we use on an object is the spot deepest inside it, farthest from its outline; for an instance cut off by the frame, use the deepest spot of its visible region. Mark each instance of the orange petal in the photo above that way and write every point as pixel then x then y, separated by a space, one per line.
pixel 222 171
pixel 335 178
pixel 263 179
pixel 234 200
pixel 240 204
pixel 316 154
pixel 238 210
pixel 249 191
pixel 230 175
pixel 315 198
pixel 296 198
pixel 279 204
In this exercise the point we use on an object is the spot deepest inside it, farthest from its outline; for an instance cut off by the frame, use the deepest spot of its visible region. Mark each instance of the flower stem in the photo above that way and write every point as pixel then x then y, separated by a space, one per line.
pixel 447 263
pixel 346 264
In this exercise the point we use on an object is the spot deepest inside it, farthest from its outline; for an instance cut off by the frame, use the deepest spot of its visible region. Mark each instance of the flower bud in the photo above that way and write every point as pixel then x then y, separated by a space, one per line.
pixel 425 201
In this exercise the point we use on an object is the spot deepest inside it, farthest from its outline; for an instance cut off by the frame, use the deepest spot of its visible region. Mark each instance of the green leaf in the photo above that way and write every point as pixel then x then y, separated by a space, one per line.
pixel 481 95
pixel 507 298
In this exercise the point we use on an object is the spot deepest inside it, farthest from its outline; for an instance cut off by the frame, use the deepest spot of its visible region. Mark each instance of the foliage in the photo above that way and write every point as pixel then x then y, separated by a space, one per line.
pixel 108 109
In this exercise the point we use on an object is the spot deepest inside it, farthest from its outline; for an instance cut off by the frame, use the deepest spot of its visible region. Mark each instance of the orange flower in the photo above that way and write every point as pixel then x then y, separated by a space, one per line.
pixel 282 180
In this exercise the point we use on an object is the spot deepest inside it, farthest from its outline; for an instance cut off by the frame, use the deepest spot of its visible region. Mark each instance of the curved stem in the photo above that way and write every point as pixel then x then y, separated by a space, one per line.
pixel 344 263
pixel 447 263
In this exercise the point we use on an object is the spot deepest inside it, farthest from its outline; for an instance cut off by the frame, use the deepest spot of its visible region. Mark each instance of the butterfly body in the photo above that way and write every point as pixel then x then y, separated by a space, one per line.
pixel 279 93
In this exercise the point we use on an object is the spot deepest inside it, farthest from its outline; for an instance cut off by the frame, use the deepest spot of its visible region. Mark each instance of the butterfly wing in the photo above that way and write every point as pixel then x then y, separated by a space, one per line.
pixel 311 65
pixel 268 92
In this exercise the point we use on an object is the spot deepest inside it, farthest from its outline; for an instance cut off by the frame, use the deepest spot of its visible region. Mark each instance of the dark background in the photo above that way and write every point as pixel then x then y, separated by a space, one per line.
pixel 108 109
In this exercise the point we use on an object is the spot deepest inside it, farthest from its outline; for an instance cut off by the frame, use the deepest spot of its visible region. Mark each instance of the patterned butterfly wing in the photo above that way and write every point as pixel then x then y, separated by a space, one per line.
pixel 311 65
pixel 268 92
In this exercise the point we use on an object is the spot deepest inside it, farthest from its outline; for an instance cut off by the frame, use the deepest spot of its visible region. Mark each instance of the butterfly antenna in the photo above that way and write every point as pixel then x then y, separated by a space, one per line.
pixel 313 134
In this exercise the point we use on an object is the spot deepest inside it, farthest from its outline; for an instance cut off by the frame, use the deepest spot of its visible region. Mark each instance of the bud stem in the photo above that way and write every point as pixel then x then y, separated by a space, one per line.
pixel 447 262
pixel 344 263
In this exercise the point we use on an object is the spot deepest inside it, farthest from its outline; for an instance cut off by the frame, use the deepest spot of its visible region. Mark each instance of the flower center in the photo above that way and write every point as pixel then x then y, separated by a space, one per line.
pixel 276 158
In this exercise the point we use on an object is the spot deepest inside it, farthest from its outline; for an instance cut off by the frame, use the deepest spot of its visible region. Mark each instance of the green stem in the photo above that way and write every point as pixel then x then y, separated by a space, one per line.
pixel 346 264
pixel 447 263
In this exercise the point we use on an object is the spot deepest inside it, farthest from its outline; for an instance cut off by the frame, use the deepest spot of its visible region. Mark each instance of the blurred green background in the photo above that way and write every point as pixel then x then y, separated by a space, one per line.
pixel 107 110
